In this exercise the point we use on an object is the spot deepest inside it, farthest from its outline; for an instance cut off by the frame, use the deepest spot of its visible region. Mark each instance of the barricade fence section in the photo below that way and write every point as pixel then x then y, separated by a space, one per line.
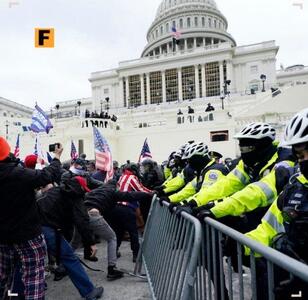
pixel 185 260
pixel 169 252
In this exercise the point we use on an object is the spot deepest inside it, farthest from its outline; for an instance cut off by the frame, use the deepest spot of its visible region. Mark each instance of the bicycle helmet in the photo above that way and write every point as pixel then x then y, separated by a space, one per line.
pixel 196 149
pixel 296 131
pixel 257 131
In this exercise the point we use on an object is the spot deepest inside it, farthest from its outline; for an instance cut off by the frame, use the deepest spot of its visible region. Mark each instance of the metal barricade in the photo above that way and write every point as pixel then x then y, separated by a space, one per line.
pixel 169 253
pixel 241 277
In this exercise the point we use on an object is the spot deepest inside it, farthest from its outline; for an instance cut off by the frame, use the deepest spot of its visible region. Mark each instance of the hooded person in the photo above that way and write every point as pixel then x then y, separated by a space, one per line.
pixel 21 239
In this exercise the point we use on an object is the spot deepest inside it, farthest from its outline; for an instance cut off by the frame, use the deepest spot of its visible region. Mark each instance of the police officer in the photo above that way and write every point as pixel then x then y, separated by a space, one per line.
pixel 207 172
pixel 285 225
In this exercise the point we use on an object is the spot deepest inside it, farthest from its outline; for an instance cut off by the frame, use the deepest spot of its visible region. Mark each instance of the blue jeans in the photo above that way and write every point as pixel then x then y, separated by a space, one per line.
pixel 70 261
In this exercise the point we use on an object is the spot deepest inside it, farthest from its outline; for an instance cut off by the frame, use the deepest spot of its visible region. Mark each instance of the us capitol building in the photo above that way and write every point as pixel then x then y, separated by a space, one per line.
pixel 163 94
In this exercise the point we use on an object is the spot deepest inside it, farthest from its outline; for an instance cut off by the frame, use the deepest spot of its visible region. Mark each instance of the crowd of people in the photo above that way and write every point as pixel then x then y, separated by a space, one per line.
pixel 49 211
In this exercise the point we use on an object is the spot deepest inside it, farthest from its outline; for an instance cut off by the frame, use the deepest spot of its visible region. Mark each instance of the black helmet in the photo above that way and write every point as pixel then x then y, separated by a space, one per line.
pixel 147 162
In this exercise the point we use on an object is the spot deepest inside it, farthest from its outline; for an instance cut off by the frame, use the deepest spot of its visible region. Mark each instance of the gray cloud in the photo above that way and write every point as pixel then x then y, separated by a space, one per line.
pixel 93 35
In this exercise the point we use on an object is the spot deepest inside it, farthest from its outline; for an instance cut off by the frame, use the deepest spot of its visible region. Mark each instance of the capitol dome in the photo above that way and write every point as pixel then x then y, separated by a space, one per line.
pixel 199 22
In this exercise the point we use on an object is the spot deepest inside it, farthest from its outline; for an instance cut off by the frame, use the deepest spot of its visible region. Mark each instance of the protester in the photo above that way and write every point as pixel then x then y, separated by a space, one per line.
pixel 21 239
pixel 61 208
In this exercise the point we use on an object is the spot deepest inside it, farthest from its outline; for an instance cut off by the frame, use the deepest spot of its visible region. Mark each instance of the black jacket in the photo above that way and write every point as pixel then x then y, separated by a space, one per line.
pixel 19 219
pixel 102 198
pixel 63 208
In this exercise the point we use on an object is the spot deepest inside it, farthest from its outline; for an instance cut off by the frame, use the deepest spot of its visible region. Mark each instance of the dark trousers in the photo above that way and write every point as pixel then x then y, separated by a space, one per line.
pixel 121 219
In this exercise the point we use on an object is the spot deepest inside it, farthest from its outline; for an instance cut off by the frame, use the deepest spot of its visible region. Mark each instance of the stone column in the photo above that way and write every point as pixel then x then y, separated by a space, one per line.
pixel 185 44
pixel 221 76
pixel 195 43
pixel 230 75
pixel 127 91
pixel 204 42
pixel 163 82
pixel 197 86
pixel 121 90
pixel 203 81
pixel 142 89
pixel 180 84
pixel 212 41
pixel 148 89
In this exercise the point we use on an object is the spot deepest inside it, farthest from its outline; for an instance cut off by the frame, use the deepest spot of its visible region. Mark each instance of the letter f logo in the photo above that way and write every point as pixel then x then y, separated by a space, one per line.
pixel 44 37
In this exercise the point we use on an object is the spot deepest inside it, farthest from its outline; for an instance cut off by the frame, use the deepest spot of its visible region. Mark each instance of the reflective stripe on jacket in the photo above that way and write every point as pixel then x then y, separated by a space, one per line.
pixel 209 175
pixel 271 224
pixel 258 194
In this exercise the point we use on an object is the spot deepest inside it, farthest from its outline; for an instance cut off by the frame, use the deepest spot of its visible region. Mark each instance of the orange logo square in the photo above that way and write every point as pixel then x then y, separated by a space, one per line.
pixel 44 37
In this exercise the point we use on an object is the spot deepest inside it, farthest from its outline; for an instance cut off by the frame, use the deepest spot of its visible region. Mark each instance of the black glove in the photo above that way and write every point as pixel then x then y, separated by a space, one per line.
pixel 201 214
pixel 229 248
pixel 173 205
pixel 163 198
pixel 207 206
pixel 159 190
pixel 188 208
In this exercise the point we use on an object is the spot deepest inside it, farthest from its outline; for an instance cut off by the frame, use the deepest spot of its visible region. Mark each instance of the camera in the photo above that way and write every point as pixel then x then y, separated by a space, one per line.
pixel 52 147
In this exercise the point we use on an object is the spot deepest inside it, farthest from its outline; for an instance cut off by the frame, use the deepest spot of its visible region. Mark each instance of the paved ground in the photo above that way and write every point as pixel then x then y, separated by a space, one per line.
pixel 128 288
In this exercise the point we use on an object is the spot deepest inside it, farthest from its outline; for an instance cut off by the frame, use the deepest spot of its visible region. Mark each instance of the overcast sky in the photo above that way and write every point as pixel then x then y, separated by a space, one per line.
pixel 94 35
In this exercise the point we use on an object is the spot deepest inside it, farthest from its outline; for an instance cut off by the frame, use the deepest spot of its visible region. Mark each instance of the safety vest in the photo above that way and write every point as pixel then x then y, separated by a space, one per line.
pixel 272 223
pixel 236 180
pixel 209 175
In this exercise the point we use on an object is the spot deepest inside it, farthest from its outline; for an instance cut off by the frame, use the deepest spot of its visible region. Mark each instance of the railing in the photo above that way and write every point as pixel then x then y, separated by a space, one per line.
pixel 186 261
pixel 169 253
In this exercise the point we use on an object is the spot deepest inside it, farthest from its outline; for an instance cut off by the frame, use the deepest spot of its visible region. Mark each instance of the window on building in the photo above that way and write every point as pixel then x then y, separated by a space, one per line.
pixel 254 69
pixel 196 22
pixel 161 30
pixel 173 24
pixel 210 22
pixel 134 91
pixel 181 23
pixel 4 114
pixel 145 88
pixel 188 83
pixel 156 33
pixel 167 27
pixel 106 91
pixel 200 79
pixel 203 21
pixel 124 92
pixel 156 87
pixel 212 79
pixel 219 136
pixel 215 23
pixel 80 146
pixel 172 85
pixel 188 23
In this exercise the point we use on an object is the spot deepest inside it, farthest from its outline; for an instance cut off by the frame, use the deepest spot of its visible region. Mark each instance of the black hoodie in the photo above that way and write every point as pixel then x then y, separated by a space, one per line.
pixel 19 221
pixel 62 207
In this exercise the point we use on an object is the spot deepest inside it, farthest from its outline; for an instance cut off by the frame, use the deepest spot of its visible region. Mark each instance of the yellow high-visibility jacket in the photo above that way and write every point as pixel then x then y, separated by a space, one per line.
pixel 235 181
pixel 258 194
pixel 272 223
pixel 209 175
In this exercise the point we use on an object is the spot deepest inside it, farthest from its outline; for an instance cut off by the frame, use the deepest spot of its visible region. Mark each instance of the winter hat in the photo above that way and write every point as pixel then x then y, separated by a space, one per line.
pixel 82 181
pixel 30 161
pixel 4 149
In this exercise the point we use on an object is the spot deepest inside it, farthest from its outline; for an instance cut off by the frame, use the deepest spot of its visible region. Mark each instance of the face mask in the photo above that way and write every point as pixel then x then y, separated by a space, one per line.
pixel 249 158
pixel 303 166
pixel 76 171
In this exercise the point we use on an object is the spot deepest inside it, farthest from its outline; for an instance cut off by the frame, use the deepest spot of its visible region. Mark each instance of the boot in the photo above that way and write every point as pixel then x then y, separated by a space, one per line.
pixel 95 294
pixel 87 254
pixel 114 273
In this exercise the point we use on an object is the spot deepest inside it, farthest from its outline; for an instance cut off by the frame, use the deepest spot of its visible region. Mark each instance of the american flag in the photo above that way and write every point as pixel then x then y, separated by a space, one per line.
pixel 16 151
pixel 103 155
pixel 145 151
pixel 74 153
pixel 175 33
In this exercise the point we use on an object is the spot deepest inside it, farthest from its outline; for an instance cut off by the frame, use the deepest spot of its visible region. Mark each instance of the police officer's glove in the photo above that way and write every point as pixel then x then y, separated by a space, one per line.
pixel 163 198
pixel 208 206
pixel 172 206
pixel 204 213
pixel 188 208
pixel 159 190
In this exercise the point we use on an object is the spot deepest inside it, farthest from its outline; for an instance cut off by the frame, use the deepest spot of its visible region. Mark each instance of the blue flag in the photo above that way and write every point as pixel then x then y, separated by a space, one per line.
pixel 49 157
pixel 40 121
